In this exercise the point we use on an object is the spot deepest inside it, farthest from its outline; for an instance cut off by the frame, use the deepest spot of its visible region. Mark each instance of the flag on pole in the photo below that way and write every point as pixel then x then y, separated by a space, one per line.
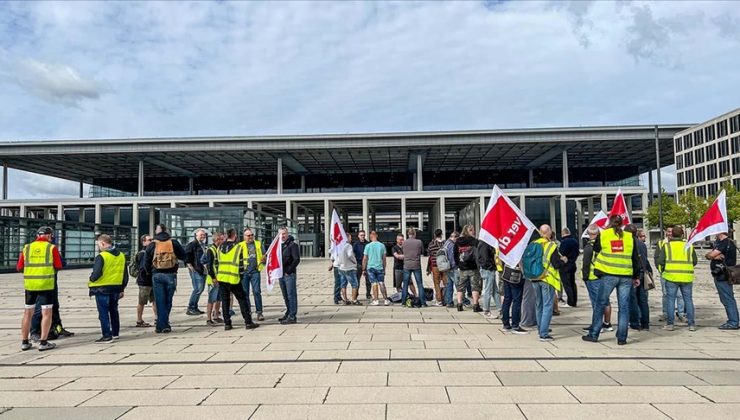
pixel 600 220
pixel 274 263
pixel 619 208
pixel 337 234
pixel 505 227
pixel 714 221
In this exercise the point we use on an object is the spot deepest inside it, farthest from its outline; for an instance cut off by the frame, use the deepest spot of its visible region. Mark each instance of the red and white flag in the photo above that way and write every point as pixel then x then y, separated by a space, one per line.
pixel 619 208
pixel 274 263
pixel 600 220
pixel 713 222
pixel 337 236
pixel 505 227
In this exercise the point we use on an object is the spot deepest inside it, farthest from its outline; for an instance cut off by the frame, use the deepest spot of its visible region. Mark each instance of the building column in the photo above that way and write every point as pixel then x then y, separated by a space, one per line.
pixel 523 204
pixel 135 223
pixel 327 228
pixel 604 203
pixel 481 211
pixel 365 215
pixel 565 168
pixel 191 184
pixel 140 189
pixel 117 215
pixel 590 204
pixel 151 220
pixel 22 231
pixel 420 224
pixel 303 183
pixel 552 213
pixel 442 216
pixel 305 220
pixel 280 175
pixel 403 216
pixel 419 173
pixel 650 188
pixel 98 214
pixel 531 178
pixel 580 219
pixel 5 181
pixel 628 201
pixel 81 214
pixel 173 205
pixel 60 212
pixel 47 213
pixel 563 212
pixel 211 204
pixel 288 211
pixel 82 189
pixel 644 209
pixel 294 213
pixel 373 220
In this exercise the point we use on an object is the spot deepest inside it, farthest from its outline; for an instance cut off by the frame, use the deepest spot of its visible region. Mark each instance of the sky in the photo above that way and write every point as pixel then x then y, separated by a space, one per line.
pixel 81 70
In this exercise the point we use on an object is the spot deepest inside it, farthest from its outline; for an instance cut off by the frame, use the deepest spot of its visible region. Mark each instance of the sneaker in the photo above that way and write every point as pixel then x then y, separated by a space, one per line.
pixel 680 317
pixel 64 333
pixel 47 346
pixel 167 330
pixel 368 297
pixel 589 339
pixel 387 302
pixel 104 340
pixel 726 326
pixel 586 328
pixel 157 330
pixel 439 304
pixel 507 327
pixel 375 303
pixel 289 321
pixel 200 312
pixel 522 331
pixel 621 342
pixel 231 312
pixel 459 307
pixel 565 305
pixel 668 327
pixel 210 323
pixel 487 315
pixel 260 317
pixel 192 312
pixel 116 337
pixel 477 308
pixel 607 327
pixel 26 346
pixel 339 302
pixel 251 325
pixel 357 303
pixel 547 338
pixel 499 315
pixel 228 327
pixel 283 318
pixel 692 327
pixel 142 324
pixel 35 338
pixel 555 312
pixel 346 302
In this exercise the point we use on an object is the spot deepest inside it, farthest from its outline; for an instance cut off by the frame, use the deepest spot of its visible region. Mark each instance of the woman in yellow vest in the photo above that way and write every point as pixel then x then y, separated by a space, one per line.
pixel 254 263
pixel 214 299
pixel 617 264
pixel 107 282
pixel 676 266
pixel 545 288
pixel 593 283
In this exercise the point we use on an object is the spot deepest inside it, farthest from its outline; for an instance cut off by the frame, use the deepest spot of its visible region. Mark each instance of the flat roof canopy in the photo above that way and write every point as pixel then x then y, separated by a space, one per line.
pixel 85 160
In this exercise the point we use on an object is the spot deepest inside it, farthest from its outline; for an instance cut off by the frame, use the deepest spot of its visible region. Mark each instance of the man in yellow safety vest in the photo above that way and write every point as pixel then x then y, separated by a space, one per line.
pixel 676 266
pixel 107 282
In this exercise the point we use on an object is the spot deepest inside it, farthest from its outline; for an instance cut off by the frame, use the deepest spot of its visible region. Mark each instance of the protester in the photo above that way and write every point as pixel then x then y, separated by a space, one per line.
pixel 397 251
pixel 438 277
pixel 214 299
pixel 412 251
pixel 288 283
pixel 617 263
pixel 194 261
pixel 676 266
pixel 468 264
pixel 39 261
pixel 639 307
pixel 569 249
pixel 334 268
pixel 452 274
pixel 680 311
pixel 373 264
pixel 511 308
pixel 347 268
pixel 230 264
pixel 57 330
pixel 254 263
pixel 486 259
pixel 592 282
pixel 144 281
pixel 107 282
pixel 546 287
pixel 359 249
pixel 160 260
pixel 722 255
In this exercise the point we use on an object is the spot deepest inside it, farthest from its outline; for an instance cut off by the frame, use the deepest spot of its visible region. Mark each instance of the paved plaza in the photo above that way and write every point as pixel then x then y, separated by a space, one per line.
pixel 363 362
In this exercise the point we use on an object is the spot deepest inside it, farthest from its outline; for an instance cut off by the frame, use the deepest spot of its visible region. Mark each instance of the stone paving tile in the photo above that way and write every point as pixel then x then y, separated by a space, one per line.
pixel 235 412
pixel 690 365
pixel 32 384
pixel 635 394
pixel 193 369
pixel 439 353
pixel 216 348
pixel 388 366
pixel 720 394
pixel 510 395
pixel 490 366
pixel 655 378
pixel 93 371
pixel 45 398
pixel 310 380
pixel 443 379
pixel 244 356
pixel 700 411
pixel 718 377
pixel 331 345
pixel 554 378
pixel 143 349
pixel 524 353
pixel 167 357
pixel 286 367
pixel 69 359
pixel 225 381
pixel 320 412
pixel 591 411
pixel 449 411
pixel 439 344
pixel 352 338
pixel 104 383
pixel 268 396
pixel 138 398
pixel 77 413
pixel 23 371
pixel 386 345
pixel 594 365
pixel 344 354
pixel 399 394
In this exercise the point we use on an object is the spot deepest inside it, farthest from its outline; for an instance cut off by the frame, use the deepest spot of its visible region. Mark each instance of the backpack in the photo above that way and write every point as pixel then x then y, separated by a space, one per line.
pixel 164 255
pixel 533 262
pixel 134 265
pixel 467 255
pixel 443 263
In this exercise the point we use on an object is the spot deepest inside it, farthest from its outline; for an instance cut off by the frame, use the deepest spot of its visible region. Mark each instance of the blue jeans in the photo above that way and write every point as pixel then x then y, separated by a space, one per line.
pixel 348 276
pixel 213 295
pixel 490 290
pixel 110 324
pixel 672 289
pixel 199 284
pixel 375 275
pixel 544 295
pixel 419 285
pixel 639 308
pixel 679 304
pixel 337 285
pixel 254 281
pixel 290 294
pixel 164 286
pixel 512 301
pixel 608 284
pixel 594 288
pixel 450 286
pixel 727 297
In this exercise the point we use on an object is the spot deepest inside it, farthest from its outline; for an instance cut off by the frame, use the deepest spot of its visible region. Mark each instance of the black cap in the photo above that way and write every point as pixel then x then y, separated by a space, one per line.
pixel 45 230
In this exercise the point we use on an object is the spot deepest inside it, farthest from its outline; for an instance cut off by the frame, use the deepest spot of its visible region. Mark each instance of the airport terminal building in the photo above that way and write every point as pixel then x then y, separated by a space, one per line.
pixel 384 181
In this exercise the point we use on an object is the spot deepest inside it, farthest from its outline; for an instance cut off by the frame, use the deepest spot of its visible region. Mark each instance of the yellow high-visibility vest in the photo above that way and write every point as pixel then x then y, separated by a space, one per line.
pixel 553 275
pixel 38 266
pixel 258 247
pixel 615 257
pixel 214 251
pixel 591 274
pixel 113 268
pixel 228 265
pixel 679 267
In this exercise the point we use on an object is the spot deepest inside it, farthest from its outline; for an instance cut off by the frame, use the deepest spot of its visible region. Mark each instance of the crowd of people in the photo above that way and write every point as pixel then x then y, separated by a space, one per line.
pixel 465 272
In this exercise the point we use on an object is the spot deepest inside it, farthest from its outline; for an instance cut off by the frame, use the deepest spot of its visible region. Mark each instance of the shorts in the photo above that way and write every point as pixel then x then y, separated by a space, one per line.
pixel 476 282
pixel 376 275
pixel 213 296
pixel 146 295
pixel 45 298
pixel 398 278
pixel 348 276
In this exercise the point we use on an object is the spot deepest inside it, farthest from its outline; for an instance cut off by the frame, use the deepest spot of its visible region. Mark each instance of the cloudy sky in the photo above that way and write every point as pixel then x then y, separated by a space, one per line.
pixel 96 70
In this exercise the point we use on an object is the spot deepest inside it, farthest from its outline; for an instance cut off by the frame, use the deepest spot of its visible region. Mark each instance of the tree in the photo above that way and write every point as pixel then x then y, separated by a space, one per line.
pixel 686 212
pixel 669 208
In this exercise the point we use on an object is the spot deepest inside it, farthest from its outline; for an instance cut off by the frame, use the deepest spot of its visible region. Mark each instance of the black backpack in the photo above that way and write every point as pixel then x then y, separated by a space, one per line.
pixel 467 255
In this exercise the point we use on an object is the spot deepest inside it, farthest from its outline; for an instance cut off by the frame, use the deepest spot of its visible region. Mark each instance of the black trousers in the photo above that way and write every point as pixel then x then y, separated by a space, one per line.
pixel 226 290
pixel 368 287
pixel 56 319
pixel 568 278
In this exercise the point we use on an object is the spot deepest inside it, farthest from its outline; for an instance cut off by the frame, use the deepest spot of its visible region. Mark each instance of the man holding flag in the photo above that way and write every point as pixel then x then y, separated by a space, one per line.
pixel 287 265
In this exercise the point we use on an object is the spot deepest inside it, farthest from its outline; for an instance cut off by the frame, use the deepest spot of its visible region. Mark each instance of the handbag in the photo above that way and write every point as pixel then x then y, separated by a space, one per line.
pixel 511 275
pixel 649 284
pixel 732 274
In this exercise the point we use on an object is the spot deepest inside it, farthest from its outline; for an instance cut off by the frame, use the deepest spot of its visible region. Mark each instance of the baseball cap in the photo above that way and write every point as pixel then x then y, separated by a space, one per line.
pixel 45 230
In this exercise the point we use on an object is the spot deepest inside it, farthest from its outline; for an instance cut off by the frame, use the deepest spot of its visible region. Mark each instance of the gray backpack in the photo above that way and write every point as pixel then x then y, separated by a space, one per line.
pixel 443 263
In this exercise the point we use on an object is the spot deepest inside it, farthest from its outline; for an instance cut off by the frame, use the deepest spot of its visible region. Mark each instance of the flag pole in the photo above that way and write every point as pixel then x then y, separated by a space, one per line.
pixel 660 186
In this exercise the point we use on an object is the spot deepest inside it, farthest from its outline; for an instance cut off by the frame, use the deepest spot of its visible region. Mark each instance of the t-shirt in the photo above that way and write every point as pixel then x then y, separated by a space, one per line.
pixel 728 249
pixel 375 252
pixel 252 265
pixel 412 250
pixel 397 263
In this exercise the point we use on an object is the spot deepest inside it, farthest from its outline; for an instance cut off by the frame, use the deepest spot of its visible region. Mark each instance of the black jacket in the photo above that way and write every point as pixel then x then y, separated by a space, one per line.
pixel 144 278
pixel 194 251
pixel 98 272
pixel 569 249
pixel 149 255
pixel 485 256
pixel 463 243
pixel 291 256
